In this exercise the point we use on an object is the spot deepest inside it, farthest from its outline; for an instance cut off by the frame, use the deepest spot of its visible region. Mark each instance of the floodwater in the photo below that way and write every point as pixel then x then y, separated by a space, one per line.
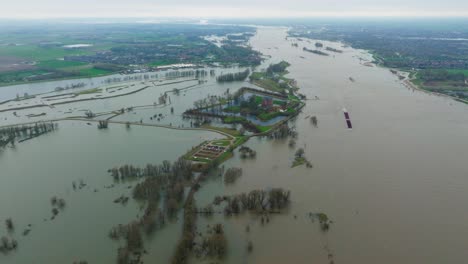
pixel 190 91
pixel 395 186
pixel 12 91
pixel 38 169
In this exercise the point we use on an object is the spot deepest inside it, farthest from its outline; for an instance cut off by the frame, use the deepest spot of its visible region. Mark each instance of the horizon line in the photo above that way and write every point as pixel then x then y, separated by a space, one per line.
pixel 381 16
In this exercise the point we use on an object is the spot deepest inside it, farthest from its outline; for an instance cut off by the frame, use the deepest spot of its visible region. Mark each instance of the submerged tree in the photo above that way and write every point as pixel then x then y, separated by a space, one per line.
pixel 9 224
pixel 231 175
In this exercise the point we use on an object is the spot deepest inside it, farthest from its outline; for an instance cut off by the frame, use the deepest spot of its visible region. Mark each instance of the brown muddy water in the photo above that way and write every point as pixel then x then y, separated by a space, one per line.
pixel 395 186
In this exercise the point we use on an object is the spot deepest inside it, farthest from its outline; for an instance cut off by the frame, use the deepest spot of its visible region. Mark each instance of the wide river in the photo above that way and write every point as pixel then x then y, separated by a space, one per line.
pixel 395 186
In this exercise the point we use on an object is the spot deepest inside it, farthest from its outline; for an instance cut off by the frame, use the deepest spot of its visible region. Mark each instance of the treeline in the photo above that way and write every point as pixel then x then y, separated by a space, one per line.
pixel 181 168
pixel 25 132
pixel 233 77
pixel 257 201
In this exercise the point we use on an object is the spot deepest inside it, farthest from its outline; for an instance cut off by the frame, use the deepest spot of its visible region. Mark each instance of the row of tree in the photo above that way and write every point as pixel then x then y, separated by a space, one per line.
pixel 181 168
pixel 24 132
pixel 259 201
pixel 232 77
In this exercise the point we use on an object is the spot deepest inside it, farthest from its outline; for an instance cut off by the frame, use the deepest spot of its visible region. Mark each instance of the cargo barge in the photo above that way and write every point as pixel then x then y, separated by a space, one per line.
pixel 347 118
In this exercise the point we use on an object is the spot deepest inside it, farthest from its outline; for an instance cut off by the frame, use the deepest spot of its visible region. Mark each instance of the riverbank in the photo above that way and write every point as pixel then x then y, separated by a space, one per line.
pixel 408 81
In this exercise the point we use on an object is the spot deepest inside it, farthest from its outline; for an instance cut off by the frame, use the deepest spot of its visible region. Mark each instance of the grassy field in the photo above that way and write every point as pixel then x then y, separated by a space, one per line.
pixel 233 119
pixel 82 69
pixel 229 131
pixel 268 116
pixel 463 71
pixel 222 143
pixel 232 109
pixel 47 60
pixel 21 74
pixel 455 87
pixel 263 129
pixel 163 62
pixel 59 64
pixel 257 75
pixel 267 82
pixel 448 83
pixel 269 85
pixel 36 53
pixel 92 72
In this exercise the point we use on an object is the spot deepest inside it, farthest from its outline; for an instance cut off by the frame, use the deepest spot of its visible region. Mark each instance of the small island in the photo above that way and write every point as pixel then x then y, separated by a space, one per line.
pixel 318 52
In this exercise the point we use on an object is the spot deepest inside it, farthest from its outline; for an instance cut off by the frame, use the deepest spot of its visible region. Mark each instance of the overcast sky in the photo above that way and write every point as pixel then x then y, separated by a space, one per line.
pixel 233 8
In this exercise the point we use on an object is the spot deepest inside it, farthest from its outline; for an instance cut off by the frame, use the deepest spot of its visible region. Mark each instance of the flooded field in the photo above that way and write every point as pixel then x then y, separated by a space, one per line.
pixel 79 153
pixel 395 186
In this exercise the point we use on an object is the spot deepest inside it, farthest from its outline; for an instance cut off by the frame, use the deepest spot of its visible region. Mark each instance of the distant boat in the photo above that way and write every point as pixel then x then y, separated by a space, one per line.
pixel 346 114
pixel 347 118
pixel 351 79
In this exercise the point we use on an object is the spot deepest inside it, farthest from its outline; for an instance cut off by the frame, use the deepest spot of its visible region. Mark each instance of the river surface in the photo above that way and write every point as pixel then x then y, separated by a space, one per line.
pixel 395 186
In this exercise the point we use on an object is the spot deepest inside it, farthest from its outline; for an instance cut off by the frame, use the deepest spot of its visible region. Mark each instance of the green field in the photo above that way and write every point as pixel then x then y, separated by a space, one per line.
pixel 59 64
pixel 263 129
pixel 163 62
pixel 36 53
pixel 92 72
pixel 451 82
pixel 269 85
pixel 233 119
pixel 450 79
pixel 257 75
pixel 232 109
pixel 48 62
pixel 268 116
pixel 462 71
pixel 222 143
